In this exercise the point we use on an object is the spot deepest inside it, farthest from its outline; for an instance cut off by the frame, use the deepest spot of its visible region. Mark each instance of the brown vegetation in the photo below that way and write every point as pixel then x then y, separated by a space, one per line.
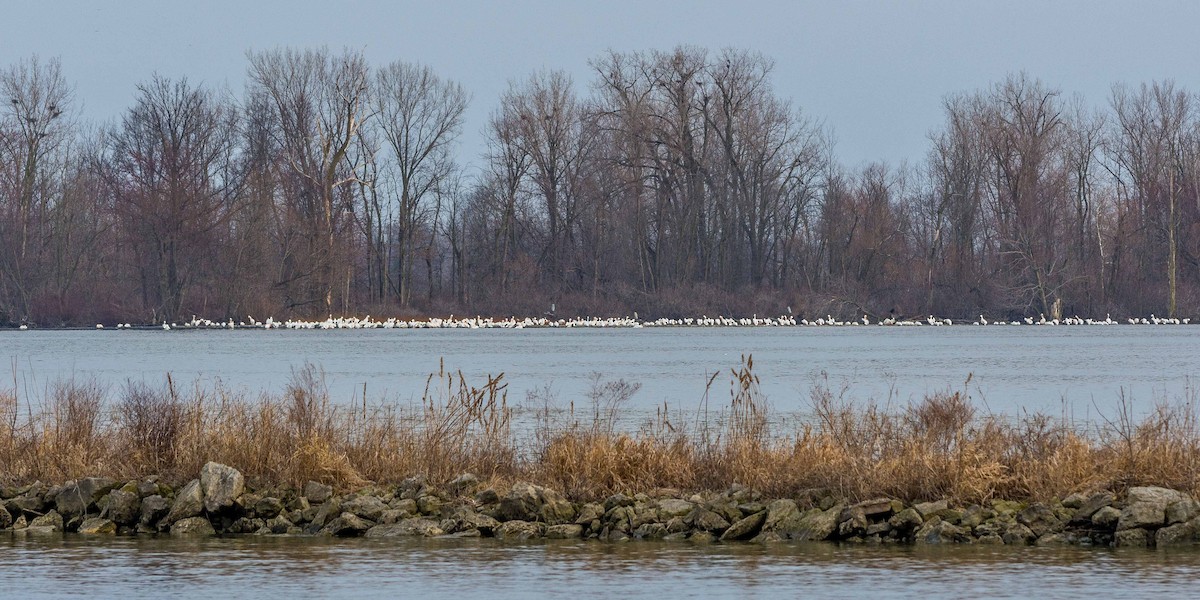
pixel 937 448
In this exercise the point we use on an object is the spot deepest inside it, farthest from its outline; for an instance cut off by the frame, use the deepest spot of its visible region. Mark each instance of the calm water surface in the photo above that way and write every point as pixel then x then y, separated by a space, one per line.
pixel 1058 370
pixel 53 567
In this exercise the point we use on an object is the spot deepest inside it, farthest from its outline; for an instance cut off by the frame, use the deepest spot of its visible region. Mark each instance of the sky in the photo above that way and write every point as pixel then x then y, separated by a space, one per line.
pixel 875 73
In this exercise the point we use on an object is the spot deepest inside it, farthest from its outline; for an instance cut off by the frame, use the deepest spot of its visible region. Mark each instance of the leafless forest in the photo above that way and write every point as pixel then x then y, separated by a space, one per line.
pixel 673 183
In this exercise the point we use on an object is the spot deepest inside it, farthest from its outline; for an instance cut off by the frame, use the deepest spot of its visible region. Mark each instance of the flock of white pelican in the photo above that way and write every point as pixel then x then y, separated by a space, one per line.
pixel 634 322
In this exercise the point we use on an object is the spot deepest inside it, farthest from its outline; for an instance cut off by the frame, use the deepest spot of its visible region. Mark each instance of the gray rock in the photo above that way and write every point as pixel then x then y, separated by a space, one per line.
pixel 367 507
pixel 1091 506
pixel 193 526
pixel 221 485
pixel 327 512
pixel 589 512
pixel 673 507
pixel 77 498
pixel 1016 534
pixel 487 496
pixel 937 531
pixel 1179 534
pixel 520 530
pixel 1133 538
pixel 565 531
pixel 929 509
pixel 317 492
pixel 706 520
pixel 528 502
pixel 1146 507
pixel 97 526
pixel 1075 501
pixel 51 519
pixel 463 485
pixel 123 507
pixel 6 519
pixel 429 505
pixel 1182 511
pixel 268 507
pixel 154 508
pixel 876 508
pixel 816 524
pixel 783 516
pixel 906 520
pixel 415 527
pixel 347 525
pixel 189 502
pixel 279 524
pixel 1106 517
pixel 648 531
pixel 1040 519
pixel 852 522
pixel 745 528
pixel 465 519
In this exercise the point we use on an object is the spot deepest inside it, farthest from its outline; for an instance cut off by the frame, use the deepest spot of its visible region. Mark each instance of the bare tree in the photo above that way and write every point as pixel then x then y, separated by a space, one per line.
pixel 420 116
pixel 320 102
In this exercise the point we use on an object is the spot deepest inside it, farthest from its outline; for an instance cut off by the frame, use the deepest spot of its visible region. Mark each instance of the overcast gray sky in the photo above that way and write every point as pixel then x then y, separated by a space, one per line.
pixel 874 72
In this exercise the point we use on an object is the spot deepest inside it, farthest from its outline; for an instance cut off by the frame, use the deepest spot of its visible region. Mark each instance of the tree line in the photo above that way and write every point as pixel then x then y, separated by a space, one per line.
pixel 675 183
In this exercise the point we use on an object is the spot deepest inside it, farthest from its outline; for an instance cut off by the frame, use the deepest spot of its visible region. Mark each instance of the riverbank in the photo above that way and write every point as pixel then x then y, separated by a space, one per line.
pixel 219 503
pixel 589 449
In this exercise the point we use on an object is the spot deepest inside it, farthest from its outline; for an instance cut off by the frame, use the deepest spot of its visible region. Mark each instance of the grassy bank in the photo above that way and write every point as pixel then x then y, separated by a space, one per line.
pixel 938 448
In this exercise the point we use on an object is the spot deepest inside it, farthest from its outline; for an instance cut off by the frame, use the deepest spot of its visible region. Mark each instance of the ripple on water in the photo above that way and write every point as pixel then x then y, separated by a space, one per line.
pixel 276 567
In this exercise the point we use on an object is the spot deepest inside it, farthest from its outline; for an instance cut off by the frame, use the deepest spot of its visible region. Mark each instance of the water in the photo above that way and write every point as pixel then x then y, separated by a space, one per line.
pixel 1079 372
pixel 251 567
pixel 1074 371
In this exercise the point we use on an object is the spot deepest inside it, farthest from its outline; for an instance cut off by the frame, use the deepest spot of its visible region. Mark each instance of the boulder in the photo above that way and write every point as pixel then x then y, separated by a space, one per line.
pixel 816 524
pixel 1182 511
pixel 193 526
pixel 1040 519
pixel 528 502
pixel 317 492
pixel 1133 538
pixel 852 522
pixel 153 509
pixel 876 508
pixel 519 530
pixel 1016 534
pixel 673 507
pixel 268 507
pixel 647 531
pixel 367 507
pixel 465 519
pixel 565 531
pixel 1107 517
pixel 937 531
pixel 1178 534
pixel 123 507
pixel 415 527
pixel 97 526
pixel 77 498
pixel 906 520
pixel 221 485
pixel 463 485
pixel 703 519
pixel 1146 507
pixel 929 509
pixel 6 519
pixel 783 516
pixel 429 505
pixel 51 519
pixel 347 525
pixel 1089 507
pixel 189 502
pixel 745 528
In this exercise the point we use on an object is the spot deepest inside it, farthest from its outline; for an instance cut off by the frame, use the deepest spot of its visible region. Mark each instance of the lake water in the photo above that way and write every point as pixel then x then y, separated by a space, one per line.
pixel 1072 371
pixel 250 567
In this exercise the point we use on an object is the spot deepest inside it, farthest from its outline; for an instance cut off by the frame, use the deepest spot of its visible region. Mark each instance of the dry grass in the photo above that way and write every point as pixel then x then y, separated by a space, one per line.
pixel 937 448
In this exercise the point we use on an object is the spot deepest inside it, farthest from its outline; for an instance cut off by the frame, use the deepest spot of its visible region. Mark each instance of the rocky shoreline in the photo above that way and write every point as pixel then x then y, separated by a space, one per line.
pixel 218 503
